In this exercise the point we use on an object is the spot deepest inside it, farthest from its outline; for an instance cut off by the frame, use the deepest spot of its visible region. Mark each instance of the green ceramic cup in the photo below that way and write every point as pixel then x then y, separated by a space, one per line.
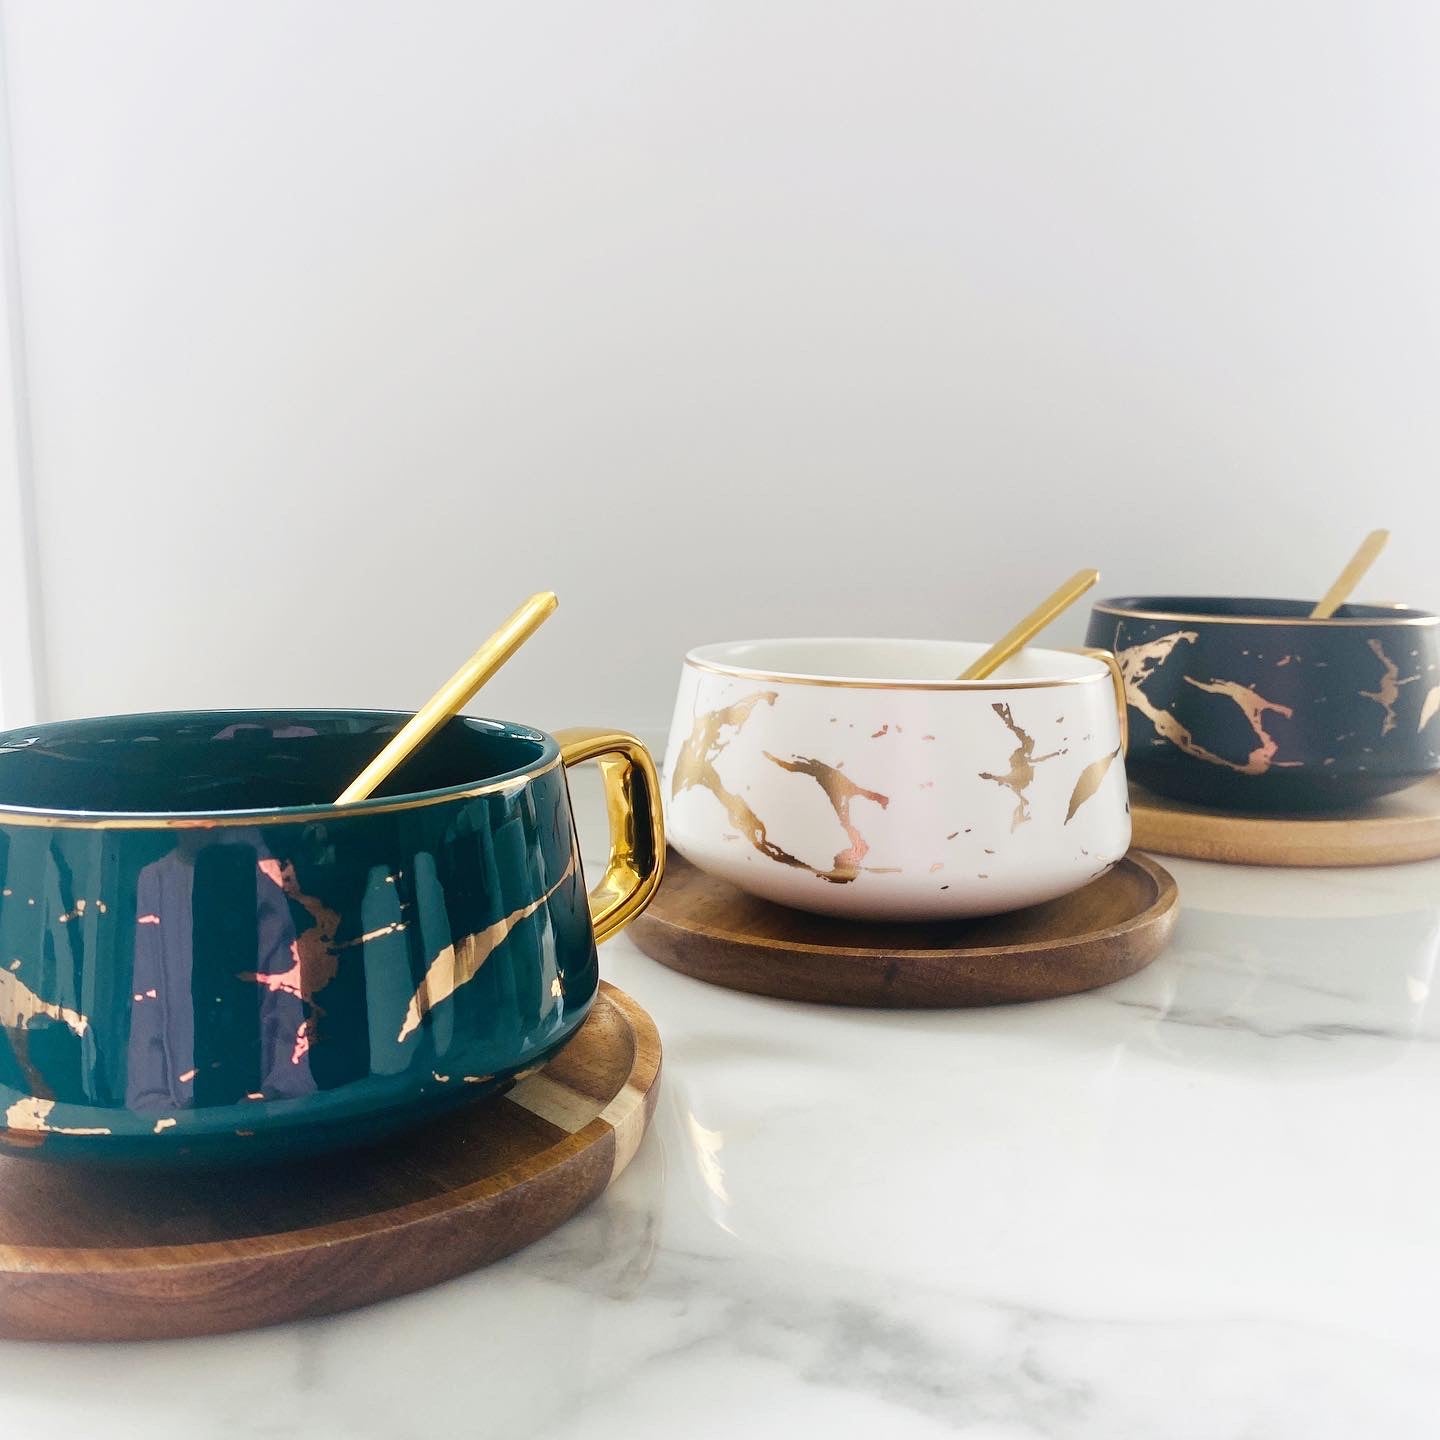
pixel 203 958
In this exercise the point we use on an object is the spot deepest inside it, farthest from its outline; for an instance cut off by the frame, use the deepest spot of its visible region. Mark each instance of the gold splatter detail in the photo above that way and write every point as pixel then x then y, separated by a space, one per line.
pixel 19 1005
pixel 1253 706
pixel 1139 662
pixel 313 953
pixel 1091 778
pixel 458 964
pixel 393 928
pixel 695 769
pixel 75 914
pixel 168 1123
pixel 1023 761
pixel 30 1114
pixel 314 956
pixel 875 735
pixel 1430 708
pixel 841 792
pixel 557 988
pixel 188 1076
pixel 1390 683
pixel 147 919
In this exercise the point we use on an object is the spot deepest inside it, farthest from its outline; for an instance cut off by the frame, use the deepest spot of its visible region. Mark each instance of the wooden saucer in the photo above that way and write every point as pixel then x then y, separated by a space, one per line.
pixel 1389 831
pixel 111 1254
pixel 708 929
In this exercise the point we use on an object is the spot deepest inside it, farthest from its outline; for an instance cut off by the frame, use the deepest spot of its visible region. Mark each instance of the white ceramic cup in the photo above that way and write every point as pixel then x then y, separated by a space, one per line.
pixel 860 778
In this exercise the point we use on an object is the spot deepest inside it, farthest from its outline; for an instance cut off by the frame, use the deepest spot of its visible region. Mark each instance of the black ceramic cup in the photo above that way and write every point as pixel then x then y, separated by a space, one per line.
pixel 1252 705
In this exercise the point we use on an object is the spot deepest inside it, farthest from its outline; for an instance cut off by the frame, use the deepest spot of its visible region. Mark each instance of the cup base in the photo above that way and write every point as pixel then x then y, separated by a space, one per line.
pixel 1302 791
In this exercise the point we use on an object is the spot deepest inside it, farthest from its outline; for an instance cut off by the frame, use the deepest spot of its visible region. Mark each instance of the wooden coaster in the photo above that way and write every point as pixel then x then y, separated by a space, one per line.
pixel 111 1254
pixel 1389 831
pixel 708 929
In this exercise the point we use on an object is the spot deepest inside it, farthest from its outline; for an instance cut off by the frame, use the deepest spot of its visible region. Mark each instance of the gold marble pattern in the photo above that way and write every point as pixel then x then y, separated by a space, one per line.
pixel 314 956
pixel 1091 779
pixel 458 964
pixel 30 1112
pixel 1139 662
pixel 1253 706
pixel 841 792
pixel 1023 761
pixel 1389 690
pixel 19 1005
pixel 695 769
pixel 1430 708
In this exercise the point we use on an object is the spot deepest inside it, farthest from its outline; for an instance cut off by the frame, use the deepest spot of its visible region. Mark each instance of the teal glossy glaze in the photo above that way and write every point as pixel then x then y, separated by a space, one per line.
pixel 202 958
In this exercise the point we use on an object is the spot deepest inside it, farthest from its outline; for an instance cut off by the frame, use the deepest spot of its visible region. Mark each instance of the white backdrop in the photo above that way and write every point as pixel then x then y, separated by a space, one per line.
pixel 348 324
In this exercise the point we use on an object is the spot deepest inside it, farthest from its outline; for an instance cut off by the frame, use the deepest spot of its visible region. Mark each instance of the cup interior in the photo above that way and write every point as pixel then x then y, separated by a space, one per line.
pixel 233 760
pixel 889 662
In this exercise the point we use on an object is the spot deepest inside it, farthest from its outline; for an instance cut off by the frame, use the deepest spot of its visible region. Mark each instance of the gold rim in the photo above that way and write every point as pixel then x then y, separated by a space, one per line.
pixel 298 815
pixel 1418 619
pixel 780 677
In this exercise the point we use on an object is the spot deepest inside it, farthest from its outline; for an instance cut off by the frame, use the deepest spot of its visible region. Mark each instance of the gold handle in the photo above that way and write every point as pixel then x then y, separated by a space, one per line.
pixel 1117 678
pixel 637 826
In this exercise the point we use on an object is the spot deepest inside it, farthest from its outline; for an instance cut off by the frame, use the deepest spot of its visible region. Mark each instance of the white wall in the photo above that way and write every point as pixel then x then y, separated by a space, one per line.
pixel 348 324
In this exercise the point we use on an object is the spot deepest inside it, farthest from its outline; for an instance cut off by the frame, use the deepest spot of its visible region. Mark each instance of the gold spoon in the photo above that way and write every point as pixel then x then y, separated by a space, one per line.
pixel 1351 575
pixel 455 692
pixel 1031 625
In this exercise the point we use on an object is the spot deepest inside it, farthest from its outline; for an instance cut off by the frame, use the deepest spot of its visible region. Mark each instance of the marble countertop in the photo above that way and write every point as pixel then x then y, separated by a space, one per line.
pixel 1200 1203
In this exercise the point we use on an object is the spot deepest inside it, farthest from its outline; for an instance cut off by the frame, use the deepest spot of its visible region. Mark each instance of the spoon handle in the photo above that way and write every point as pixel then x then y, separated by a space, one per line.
pixel 1031 625
pixel 1351 575
pixel 454 693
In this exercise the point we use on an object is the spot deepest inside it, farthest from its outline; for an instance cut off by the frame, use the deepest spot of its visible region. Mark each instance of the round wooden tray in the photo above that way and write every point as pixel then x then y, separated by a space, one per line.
pixel 1113 927
pixel 1389 831
pixel 123 1255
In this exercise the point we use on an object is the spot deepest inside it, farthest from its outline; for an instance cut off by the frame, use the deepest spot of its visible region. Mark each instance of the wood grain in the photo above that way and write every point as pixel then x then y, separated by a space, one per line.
pixel 1393 830
pixel 126 1254
pixel 708 929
